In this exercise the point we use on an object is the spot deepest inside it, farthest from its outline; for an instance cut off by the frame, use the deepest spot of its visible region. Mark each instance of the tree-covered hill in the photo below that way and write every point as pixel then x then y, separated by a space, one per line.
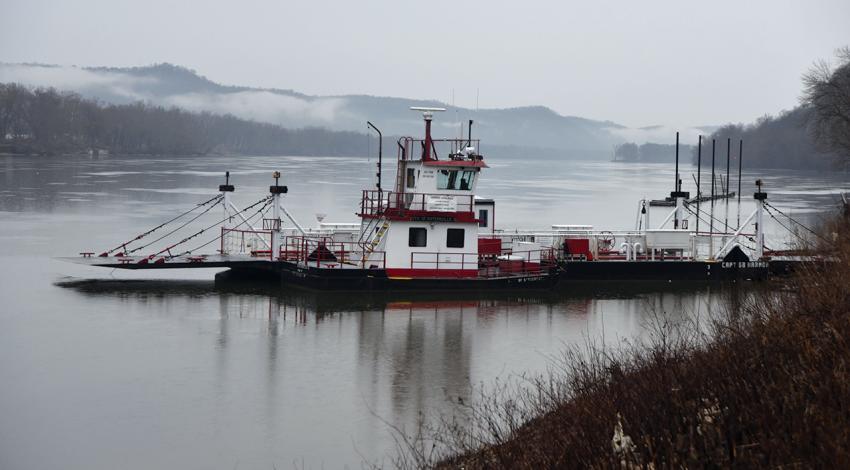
pixel 782 141
pixel 530 128
pixel 46 121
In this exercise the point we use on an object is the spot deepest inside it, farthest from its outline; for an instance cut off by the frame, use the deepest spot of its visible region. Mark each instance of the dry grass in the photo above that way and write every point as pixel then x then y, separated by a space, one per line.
pixel 767 386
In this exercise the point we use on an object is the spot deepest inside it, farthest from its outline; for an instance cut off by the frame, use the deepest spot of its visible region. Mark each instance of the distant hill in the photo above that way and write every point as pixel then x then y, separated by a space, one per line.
pixel 781 141
pixel 531 127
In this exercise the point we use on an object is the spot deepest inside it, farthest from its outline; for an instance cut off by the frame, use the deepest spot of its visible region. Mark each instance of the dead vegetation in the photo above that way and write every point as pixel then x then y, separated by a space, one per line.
pixel 766 385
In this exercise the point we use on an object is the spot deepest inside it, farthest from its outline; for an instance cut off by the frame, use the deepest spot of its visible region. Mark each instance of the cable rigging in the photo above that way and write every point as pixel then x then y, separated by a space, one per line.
pixel 140 236
pixel 261 212
pixel 176 229
pixel 168 249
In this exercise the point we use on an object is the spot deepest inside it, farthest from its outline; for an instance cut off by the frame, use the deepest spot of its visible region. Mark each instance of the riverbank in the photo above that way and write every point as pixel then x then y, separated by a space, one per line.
pixel 766 385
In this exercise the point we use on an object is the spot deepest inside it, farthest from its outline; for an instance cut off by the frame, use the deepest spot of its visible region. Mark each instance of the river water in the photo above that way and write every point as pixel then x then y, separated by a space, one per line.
pixel 108 369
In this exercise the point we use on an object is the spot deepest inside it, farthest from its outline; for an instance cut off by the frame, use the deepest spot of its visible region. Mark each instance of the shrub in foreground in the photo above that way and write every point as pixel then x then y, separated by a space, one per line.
pixel 767 385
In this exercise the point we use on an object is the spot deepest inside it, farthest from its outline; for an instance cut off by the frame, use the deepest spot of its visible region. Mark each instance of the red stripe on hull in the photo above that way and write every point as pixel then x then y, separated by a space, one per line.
pixel 443 273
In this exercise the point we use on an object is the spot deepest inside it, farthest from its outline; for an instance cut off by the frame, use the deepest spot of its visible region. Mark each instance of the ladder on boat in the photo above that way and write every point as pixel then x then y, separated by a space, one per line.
pixel 374 235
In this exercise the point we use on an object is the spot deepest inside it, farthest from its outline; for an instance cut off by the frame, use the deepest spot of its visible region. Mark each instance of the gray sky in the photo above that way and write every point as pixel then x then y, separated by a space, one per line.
pixel 637 63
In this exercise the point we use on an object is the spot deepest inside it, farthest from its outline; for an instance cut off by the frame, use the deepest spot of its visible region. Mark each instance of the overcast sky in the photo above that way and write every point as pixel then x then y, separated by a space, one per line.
pixel 635 62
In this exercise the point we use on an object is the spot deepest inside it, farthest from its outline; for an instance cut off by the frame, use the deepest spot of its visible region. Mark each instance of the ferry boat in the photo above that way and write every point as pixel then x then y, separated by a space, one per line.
pixel 431 231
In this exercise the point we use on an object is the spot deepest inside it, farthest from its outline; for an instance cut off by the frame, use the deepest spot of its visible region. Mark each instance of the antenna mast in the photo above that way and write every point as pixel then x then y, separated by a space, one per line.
pixel 427 114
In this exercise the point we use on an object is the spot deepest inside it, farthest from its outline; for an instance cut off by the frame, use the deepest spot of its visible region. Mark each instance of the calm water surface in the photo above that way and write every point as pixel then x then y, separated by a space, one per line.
pixel 108 369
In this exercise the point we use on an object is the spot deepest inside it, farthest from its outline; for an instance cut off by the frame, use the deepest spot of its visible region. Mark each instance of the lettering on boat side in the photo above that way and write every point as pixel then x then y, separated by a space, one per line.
pixel 744 264
pixel 440 203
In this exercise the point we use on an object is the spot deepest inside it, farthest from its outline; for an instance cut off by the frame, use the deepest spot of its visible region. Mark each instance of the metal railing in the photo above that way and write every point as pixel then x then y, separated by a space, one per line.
pixel 441 149
pixel 607 245
pixel 434 260
pixel 326 253
pixel 254 242
pixel 380 202
pixel 510 263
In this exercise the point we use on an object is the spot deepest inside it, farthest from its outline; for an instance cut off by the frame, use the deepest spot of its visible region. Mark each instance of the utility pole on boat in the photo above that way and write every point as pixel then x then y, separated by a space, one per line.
pixel 676 180
pixel 711 217
pixel 699 174
pixel 678 195
pixel 726 194
pixel 740 166
pixel 380 153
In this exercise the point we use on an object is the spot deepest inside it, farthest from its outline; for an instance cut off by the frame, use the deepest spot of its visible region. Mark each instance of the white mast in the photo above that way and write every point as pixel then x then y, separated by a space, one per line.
pixel 225 190
pixel 760 197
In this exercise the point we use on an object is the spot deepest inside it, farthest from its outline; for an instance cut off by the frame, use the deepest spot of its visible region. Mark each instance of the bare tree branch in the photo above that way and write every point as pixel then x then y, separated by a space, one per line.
pixel 826 92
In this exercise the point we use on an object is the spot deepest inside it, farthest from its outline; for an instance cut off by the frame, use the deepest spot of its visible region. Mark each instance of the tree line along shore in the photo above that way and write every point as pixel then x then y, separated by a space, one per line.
pixel 782 141
pixel 44 121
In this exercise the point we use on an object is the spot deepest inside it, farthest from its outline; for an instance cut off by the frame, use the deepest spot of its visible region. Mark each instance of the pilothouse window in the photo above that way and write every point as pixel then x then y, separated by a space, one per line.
pixel 446 179
pixel 454 179
pixel 466 180
pixel 411 177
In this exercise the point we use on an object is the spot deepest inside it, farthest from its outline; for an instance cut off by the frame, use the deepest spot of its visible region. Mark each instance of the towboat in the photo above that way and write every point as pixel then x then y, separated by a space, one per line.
pixel 432 232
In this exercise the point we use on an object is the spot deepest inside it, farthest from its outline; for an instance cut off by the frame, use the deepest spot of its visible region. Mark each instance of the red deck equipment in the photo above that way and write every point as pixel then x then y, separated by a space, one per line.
pixel 577 248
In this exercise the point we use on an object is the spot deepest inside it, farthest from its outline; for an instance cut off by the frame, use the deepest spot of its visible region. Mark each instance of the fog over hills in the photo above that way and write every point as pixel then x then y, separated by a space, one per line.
pixel 169 85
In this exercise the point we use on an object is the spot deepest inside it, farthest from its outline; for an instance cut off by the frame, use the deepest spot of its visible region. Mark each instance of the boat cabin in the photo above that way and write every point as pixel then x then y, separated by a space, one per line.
pixel 428 225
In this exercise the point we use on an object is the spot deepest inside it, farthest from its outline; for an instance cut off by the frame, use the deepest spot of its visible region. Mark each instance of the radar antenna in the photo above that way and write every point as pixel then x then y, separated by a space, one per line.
pixel 427 114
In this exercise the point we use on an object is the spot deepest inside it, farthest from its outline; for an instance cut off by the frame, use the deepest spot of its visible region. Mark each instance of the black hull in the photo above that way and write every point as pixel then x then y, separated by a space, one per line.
pixel 670 271
pixel 376 280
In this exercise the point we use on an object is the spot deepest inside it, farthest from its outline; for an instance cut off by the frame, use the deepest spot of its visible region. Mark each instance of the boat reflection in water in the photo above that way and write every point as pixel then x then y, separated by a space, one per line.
pixel 321 374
